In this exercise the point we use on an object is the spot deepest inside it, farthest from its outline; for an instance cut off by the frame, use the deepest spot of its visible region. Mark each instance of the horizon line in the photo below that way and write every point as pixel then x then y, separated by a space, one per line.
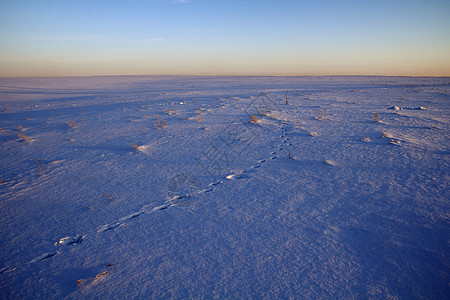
pixel 225 75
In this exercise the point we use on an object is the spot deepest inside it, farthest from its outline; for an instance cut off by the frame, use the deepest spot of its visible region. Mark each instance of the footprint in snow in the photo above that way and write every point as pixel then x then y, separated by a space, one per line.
pixel 215 183
pixel 262 160
pixel 256 166
pixel 274 152
pixel 158 208
pixel 274 157
pixel 44 256
pixel 233 176
pixel 132 216
pixel 207 190
pixel 4 269
pixel 395 142
pixel 109 227
pixel 70 241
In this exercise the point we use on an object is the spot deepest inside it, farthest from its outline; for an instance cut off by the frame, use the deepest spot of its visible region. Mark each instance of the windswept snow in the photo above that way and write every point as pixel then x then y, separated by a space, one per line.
pixel 219 187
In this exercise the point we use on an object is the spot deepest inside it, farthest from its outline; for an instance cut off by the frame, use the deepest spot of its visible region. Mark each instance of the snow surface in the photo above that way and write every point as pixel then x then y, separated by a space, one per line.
pixel 101 198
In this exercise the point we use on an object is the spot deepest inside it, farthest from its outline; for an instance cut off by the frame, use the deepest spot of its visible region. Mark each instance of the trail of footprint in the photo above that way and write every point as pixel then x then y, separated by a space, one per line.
pixel 174 201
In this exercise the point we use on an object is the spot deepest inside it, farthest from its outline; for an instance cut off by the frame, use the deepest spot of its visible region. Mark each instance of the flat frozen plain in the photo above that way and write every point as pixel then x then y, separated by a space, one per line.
pixel 160 186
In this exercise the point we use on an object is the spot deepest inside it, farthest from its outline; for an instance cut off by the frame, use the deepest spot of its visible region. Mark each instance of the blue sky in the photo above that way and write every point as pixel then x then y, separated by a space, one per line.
pixel 228 37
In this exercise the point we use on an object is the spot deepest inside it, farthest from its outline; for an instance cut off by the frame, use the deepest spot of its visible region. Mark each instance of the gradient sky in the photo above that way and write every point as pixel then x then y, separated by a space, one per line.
pixel 224 37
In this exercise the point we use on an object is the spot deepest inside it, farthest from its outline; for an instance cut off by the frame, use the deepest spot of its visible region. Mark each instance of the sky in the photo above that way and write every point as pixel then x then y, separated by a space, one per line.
pixel 224 37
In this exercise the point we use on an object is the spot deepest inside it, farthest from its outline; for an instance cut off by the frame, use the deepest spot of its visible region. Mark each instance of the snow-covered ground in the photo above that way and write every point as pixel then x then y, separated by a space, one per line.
pixel 217 187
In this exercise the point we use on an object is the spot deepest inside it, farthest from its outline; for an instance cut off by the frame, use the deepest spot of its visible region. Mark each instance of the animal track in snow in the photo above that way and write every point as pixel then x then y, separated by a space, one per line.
pixel 4 269
pixel 233 176
pixel 215 183
pixel 109 227
pixel 44 256
pixel 176 200
pixel 134 215
pixel 207 190
pixel 158 208
pixel 69 241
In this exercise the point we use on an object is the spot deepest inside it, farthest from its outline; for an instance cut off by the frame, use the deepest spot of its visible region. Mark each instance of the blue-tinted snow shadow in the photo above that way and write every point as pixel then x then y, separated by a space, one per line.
pixel 397 258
